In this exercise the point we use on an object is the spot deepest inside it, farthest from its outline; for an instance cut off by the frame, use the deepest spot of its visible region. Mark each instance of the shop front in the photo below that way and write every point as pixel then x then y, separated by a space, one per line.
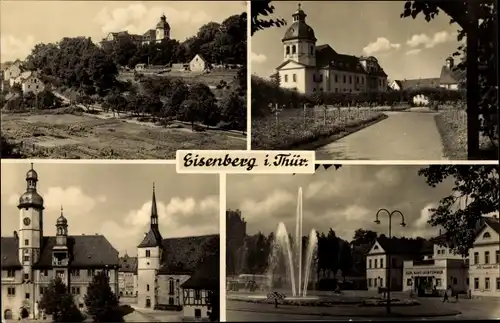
pixel 425 282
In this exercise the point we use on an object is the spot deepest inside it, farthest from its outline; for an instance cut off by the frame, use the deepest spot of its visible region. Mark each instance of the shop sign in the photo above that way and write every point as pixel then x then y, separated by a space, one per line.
pixel 424 272
pixel 487 266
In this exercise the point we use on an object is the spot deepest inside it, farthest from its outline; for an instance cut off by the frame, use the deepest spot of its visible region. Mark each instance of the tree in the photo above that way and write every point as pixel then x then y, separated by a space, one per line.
pixel 207 108
pixel 101 302
pixel 58 302
pixel 213 301
pixel 363 237
pixel 190 111
pixel 234 111
pixel 263 8
pixel 477 184
pixel 9 149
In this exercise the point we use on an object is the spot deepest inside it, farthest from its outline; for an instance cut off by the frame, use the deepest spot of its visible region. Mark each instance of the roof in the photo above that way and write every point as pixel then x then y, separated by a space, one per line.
pixel 405 246
pixel 207 276
pixel 418 83
pixel 151 239
pixel 128 264
pixel 189 253
pixel 200 56
pixel 450 76
pixel 85 251
pixel 150 35
pixel 491 222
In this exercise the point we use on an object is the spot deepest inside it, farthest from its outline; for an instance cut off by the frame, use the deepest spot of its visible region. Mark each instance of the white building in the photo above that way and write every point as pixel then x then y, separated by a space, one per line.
pixel 29 83
pixel 127 276
pixel 437 271
pixel 13 71
pixel 310 68
pixel 198 64
pixel 164 265
pixel 400 250
pixel 484 271
pixel 30 260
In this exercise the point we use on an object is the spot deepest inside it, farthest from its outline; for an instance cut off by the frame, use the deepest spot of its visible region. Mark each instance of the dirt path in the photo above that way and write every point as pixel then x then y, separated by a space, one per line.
pixel 402 136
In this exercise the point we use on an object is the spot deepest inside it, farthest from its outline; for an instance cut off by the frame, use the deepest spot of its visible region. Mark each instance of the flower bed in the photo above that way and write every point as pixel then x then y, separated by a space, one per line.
pixel 295 127
pixel 394 302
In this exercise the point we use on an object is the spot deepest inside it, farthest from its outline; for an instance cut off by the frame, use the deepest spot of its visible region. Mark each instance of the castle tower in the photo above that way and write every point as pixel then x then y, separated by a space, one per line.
pixel 162 29
pixel 299 42
pixel 60 254
pixel 149 255
pixel 31 225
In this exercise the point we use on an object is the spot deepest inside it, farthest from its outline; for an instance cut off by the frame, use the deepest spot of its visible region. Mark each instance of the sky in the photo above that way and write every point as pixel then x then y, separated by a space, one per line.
pixel 24 24
pixel 115 200
pixel 344 200
pixel 405 48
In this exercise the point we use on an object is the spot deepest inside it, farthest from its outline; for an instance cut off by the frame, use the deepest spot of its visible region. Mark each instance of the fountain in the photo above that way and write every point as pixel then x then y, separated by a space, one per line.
pixel 298 266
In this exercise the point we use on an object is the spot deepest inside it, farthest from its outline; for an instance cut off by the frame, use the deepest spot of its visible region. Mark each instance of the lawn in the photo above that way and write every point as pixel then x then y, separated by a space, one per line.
pixel 72 136
pixel 299 128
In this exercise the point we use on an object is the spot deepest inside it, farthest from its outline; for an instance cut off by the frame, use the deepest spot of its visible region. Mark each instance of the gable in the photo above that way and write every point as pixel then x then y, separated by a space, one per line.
pixel 288 65
pixel 376 249
pixel 487 235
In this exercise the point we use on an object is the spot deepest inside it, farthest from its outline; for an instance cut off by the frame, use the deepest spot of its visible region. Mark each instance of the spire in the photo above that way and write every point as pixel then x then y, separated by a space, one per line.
pixel 299 14
pixel 62 210
pixel 154 211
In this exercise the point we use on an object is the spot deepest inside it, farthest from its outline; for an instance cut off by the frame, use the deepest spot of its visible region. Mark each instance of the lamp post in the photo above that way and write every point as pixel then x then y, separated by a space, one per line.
pixel 389 262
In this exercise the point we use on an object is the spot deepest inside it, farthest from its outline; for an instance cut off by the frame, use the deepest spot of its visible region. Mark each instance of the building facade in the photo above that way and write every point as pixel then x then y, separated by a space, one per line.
pixel 397 251
pixel 160 33
pixel 30 260
pixel 198 64
pixel 310 68
pixel 164 265
pixel 484 271
pixel 437 272
pixel 127 276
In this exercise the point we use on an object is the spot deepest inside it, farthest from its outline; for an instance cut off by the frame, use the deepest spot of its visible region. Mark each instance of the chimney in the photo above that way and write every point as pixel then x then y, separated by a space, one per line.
pixel 15 235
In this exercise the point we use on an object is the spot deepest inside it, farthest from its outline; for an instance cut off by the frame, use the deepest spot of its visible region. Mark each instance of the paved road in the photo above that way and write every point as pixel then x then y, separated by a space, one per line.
pixel 402 136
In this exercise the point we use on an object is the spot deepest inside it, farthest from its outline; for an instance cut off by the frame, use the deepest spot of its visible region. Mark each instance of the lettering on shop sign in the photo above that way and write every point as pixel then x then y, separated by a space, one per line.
pixel 424 272
pixel 486 266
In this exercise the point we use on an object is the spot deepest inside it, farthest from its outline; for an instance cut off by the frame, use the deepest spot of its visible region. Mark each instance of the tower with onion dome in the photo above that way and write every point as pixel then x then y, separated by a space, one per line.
pixel 299 42
pixel 162 29
pixel 31 224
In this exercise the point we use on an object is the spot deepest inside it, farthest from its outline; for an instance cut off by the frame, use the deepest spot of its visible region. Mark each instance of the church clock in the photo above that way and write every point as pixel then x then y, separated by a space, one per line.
pixel 26 221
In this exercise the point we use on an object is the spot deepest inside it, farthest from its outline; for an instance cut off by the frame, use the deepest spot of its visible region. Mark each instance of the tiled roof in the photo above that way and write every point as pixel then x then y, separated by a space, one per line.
pixel 85 251
pixel 405 246
pixel 184 255
pixel 151 239
pixel 128 264
pixel 207 276
pixel 450 76
pixel 150 35
pixel 419 83
pixel 493 223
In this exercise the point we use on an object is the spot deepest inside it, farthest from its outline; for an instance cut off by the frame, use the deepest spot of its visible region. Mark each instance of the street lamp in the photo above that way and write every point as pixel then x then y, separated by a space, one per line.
pixel 389 263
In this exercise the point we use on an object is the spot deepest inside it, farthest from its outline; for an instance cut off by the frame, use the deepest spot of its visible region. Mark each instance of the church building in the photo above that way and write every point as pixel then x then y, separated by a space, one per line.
pixel 30 260
pixel 309 68
pixel 164 265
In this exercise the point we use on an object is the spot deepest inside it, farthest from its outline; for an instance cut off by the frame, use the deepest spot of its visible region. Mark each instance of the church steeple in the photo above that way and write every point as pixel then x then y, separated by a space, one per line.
pixel 154 211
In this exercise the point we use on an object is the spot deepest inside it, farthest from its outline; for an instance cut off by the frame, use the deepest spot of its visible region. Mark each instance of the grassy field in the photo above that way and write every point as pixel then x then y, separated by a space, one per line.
pixel 211 79
pixel 293 128
pixel 452 126
pixel 72 136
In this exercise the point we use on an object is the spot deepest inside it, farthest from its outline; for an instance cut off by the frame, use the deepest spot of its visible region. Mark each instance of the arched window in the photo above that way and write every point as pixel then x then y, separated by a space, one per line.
pixel 486 235
pixel 294 49
pixel 171 286
pixel 288 50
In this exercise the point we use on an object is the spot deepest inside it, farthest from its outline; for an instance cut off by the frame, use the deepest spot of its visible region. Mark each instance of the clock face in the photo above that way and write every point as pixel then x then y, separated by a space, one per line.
pixel 26 221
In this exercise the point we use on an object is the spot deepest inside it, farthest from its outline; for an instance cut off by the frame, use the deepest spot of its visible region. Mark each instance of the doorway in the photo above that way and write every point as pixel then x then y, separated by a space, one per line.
pixel 197 313
pixel 7 315
pixel 148 303
pixel 423 285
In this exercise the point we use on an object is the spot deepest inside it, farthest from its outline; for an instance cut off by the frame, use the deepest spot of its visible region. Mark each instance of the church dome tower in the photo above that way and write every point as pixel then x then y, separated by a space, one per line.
pixel 162 29
pixel 299 41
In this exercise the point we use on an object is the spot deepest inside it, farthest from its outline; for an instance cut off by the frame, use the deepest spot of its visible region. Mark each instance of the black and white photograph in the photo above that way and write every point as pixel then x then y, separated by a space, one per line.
pixel 122 79
pixel 356 242
pixel 108 243
pixel 376 80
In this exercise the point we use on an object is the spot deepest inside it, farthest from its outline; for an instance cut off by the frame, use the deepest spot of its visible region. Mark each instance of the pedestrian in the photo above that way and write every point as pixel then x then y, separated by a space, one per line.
pixel 456 296
pixel 445 297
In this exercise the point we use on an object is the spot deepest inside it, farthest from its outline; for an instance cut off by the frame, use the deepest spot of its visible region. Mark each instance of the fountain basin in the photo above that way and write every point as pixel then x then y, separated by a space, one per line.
pixel 289 298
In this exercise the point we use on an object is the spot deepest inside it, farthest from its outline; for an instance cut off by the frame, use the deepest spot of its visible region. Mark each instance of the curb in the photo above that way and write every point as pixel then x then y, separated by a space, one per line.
pixel 346 315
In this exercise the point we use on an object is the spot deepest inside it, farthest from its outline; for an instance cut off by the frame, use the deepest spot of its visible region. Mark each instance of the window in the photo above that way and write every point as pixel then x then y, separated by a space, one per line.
pixel 336 78
pixel 287 50
pixel 11 273
pixel 369 282
pixel 476 283
pixel 487 283
pixel 321 78
pixel 148 253
pixel 286 78
pixel 369 261
pixel 147 288
pixel 455 280
pixel 362 80
pixel 312 50
pixel 75 272
pixel 11 291
pixel 90 272
pixel 26 258
pixel 314 89
pixel 498 283
pixel 171 286
pixel 294 78
pixel 381 281
pixel 45 272
pixel 26 242
pixel 439 251
pixel 408 282
pixel 75 290
pixel 497 256
pixel 344 79
pixel 381 263
pixel 350 79
pixel 41 290
pixel 376 263
pixel 486 257
pixel 374 282
pixel 294 49
pixel 26 276
pixel 438 282
pixel 197 294
pixel 476 258
pixel 486 235
pixel 27 295
pixel 467 281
